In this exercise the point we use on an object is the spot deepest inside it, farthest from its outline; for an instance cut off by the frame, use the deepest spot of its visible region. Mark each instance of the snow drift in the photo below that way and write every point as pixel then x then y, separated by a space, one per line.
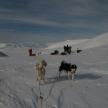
pixel 2 45
pixel 98 41
pixel 3 54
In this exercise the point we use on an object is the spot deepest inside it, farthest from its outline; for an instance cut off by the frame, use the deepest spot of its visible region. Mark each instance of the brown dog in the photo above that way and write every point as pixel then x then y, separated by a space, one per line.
pixel 40 70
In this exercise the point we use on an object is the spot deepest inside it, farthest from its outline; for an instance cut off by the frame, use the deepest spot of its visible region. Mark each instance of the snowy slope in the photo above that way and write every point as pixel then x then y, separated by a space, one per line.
pixel 2 45
pixel 19 89
pixel 69 42
pixel 83 43
pixel 94 42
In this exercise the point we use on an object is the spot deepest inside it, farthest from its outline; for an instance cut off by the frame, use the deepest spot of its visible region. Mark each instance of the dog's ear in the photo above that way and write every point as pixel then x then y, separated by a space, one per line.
pixel 62 62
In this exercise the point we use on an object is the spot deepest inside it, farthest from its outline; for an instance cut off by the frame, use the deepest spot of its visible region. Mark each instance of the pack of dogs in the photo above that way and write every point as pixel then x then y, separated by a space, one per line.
pixel 68 68
pixel 65 52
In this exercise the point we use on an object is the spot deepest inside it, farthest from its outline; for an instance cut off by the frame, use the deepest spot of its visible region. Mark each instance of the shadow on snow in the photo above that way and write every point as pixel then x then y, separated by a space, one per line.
pixel 89 76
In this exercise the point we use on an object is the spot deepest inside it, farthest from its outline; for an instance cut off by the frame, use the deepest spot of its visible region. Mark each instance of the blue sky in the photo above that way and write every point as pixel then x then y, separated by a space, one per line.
pixel 50 20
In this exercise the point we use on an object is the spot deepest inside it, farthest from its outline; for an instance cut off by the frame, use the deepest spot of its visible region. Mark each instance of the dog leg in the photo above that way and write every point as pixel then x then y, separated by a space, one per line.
pixel 68 73
pixel 59 74
pixel 73 75
pixel 43 78
pixel 37 77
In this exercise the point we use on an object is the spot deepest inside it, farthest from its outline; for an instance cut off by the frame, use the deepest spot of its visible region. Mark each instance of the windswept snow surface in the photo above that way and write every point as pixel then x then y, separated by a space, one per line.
pixel 2 45
pixel 94 42
pixel 69 42
pixel 19 88
pixel 83 43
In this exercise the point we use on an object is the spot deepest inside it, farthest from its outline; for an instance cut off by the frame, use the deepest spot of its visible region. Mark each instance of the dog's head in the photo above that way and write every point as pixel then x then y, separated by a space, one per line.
pixel 44 63
pixel 73 66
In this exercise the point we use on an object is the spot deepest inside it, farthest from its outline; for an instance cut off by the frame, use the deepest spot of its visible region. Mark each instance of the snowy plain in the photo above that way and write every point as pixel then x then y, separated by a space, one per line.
pixel 19 88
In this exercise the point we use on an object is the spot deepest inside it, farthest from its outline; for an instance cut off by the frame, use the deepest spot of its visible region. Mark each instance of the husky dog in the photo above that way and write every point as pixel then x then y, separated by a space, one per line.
pixel 56 52
pixel 40 70
pixel 69 68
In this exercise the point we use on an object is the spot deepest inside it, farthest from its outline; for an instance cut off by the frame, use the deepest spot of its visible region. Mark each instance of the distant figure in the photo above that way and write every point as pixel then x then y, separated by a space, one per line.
pixel 30 52
pixel 55 52
pixel 63 53
pixel 67 49
pixel 78 50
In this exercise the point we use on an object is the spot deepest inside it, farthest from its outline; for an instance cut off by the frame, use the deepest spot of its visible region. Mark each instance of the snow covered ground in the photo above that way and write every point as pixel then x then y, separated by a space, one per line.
pixel 83 43
pixel 2 45
pixel 19 89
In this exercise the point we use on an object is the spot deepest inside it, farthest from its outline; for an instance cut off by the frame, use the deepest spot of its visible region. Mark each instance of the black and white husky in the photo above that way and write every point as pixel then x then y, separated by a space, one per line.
pixel 69 68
